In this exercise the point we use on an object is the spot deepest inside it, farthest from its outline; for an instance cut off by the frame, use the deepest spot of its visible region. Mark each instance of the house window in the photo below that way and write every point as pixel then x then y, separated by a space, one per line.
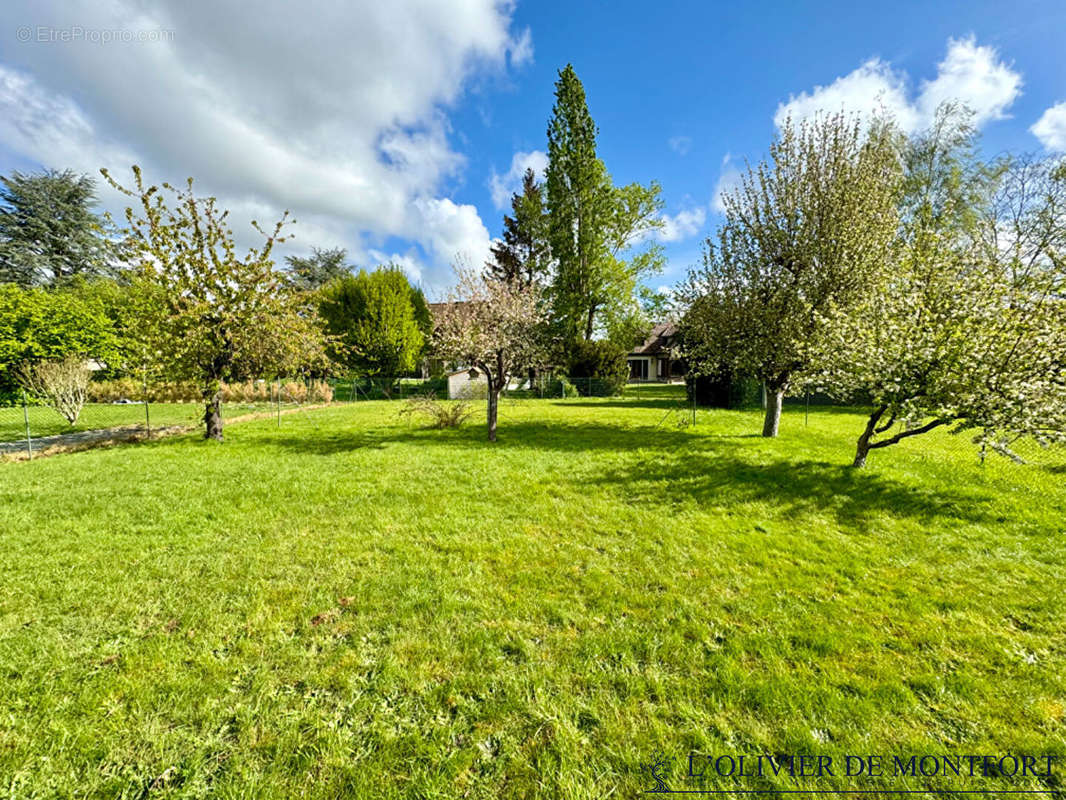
pixel 638 369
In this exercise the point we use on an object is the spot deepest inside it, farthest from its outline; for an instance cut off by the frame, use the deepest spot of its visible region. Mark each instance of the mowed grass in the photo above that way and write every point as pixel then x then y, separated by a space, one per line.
pixel 354 606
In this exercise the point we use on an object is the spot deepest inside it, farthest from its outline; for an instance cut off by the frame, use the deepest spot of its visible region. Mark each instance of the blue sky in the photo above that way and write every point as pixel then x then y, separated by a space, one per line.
pixel 386 128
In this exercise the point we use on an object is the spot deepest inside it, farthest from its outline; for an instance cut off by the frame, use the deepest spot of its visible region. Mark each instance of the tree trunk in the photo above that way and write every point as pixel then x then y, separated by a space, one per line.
pixel 494 402
pixel 861 452
pixel 774 397
pixel 588 323
pixel 862 447
pixel 213 415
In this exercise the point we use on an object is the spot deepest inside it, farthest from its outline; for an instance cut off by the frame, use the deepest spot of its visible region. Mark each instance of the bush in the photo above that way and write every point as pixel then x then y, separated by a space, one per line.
pixel 554 387
pixel 449 414
pixel 724 390
pixel 261 391
pixel 604 362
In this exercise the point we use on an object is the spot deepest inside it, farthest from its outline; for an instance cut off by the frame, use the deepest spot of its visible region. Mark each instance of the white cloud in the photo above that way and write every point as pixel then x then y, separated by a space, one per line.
pixel 521 49
pixel 680 144
pixel 501 187
pixel 339 115
pixel 873 86
pixel 455 231
pixel 1050 129
pixel 728 179
pixel 408 262
pixel 975 75
pixel 971 73
pixel 682 225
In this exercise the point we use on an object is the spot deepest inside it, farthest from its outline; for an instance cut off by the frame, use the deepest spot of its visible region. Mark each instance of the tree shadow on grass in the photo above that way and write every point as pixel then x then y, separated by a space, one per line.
pixel 666 468
pixel 722 476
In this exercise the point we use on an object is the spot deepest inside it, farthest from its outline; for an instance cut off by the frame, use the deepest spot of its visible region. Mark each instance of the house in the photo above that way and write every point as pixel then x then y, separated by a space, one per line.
pixel 656 358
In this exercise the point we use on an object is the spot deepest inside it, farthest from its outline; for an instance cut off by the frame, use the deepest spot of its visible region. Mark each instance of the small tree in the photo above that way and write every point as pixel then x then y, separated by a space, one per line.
pixel 218 316
pixel 493 327
pixel 375 319
pixel 601 360
pixel 804 234
pixel 63 384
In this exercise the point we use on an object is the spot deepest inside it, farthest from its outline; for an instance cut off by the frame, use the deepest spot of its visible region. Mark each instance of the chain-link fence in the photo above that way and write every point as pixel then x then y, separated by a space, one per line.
pixel 126 409
pixel 123 409
pixel 965 443
pixel 471 386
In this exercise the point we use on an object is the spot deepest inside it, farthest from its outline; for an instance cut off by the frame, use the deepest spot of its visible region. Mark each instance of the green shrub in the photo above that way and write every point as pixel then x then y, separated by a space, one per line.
pixel 49 325
pixel 447 414
pixel 550 386
pixel 603 362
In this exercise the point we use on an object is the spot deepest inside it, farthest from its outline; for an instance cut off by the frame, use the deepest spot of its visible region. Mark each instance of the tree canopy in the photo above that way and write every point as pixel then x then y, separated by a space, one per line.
pixel 523 253
pixel 50 325
pixel 805 233
pixel 968 327
pixel 49 232
pixel 307 273
pixel 215 315
pixel 379 322
pixel 600 235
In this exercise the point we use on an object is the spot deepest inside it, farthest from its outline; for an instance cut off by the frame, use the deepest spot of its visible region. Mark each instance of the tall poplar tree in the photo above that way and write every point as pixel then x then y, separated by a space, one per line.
pixel 594 228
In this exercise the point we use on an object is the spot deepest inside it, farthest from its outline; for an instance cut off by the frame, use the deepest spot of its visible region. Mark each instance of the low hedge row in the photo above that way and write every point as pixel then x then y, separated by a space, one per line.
pixel 249 392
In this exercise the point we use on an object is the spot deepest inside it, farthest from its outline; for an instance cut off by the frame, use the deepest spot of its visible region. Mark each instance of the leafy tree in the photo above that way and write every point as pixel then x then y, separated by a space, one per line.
pixel 968 329
pixel 600 360
pixel 39 325
pixel 595 229
pixel 655 306
pixel 492 326
pixel 48 229
pixel 423 318
pixel 377 319
pixel 217 316
pixel 307 273
pixel 522 255
pixel 804 235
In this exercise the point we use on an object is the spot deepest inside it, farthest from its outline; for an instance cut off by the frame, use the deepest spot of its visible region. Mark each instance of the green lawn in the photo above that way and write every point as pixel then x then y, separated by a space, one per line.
pixel 354 606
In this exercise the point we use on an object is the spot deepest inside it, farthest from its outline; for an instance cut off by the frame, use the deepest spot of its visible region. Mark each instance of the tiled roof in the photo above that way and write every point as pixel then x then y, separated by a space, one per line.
pixel 659 340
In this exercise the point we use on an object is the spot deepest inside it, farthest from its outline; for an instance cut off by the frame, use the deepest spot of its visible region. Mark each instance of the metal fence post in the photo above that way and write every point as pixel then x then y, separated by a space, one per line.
pixel 147 419
pixel 26 419
pixel 277 386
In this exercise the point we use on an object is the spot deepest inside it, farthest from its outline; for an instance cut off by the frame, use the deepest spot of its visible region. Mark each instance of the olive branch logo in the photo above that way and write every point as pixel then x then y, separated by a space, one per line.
pixel 657 767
